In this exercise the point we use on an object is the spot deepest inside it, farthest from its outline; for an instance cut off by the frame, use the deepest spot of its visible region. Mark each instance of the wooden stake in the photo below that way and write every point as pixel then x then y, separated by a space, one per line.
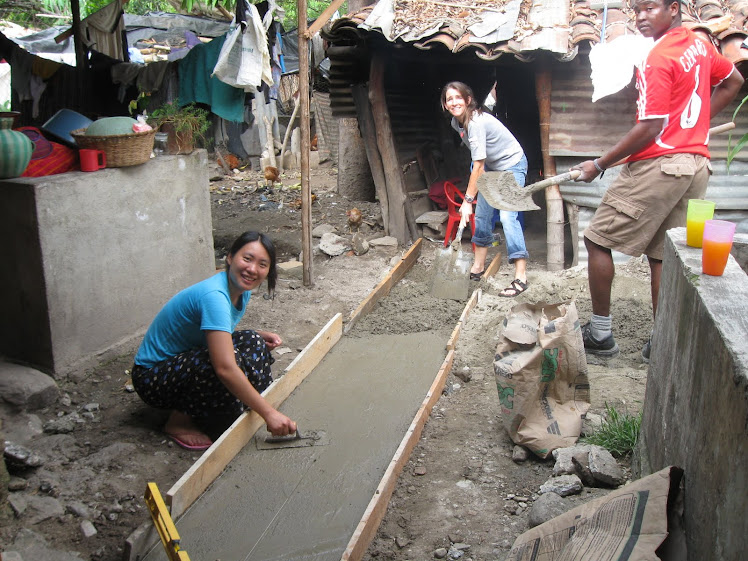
pixel 554 201
pixel 306 145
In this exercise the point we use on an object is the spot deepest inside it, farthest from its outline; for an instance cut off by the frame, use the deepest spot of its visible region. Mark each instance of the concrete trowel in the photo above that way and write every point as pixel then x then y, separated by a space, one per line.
pixel 264 440
pixel 451 270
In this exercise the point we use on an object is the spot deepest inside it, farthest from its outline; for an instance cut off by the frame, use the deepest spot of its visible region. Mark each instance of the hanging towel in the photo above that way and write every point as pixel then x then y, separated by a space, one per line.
pixel 197 85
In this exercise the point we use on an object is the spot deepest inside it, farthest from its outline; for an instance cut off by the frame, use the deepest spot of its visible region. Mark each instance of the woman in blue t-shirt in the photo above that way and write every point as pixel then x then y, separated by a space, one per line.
pixel 492 148
pixel 193 362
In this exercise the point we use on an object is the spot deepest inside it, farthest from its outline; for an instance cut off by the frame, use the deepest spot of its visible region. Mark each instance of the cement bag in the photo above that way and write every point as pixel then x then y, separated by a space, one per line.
pixel 541 376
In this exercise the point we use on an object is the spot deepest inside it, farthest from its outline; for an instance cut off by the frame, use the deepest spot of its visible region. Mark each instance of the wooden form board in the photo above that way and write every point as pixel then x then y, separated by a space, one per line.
pixel 472 302
pixel 384 287
pixel 372 518
pixel 375 511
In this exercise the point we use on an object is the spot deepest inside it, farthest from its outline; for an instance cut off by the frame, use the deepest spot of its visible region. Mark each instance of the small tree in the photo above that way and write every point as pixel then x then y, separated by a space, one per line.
pixel 733 151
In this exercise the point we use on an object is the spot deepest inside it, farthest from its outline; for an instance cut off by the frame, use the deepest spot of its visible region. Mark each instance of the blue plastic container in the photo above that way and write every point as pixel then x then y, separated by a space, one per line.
pixel 61 123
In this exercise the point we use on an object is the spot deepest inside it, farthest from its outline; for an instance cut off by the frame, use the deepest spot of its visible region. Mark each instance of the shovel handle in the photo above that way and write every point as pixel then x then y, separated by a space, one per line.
pixel 555 180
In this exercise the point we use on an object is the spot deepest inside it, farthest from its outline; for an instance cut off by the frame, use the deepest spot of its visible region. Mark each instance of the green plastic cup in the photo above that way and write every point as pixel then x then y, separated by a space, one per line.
pixel 699 211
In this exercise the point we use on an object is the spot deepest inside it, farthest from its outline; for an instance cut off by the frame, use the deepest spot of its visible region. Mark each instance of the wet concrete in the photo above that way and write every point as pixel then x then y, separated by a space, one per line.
pixel 305 503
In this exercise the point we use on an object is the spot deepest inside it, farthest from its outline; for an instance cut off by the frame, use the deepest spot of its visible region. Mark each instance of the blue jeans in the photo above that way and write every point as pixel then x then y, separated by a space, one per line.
pixel 486 216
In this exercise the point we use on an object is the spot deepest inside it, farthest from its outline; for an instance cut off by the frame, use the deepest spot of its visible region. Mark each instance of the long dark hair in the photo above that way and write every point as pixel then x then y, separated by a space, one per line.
pixel 267 243
pixel 467 93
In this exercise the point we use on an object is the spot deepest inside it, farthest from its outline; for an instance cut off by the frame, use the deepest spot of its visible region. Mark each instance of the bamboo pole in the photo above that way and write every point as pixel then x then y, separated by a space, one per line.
pixel 306 191
pixel 554 202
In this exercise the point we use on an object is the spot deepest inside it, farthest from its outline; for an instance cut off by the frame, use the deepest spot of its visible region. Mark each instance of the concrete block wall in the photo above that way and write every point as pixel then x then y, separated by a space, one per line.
pixel 695 412
pixel 89 258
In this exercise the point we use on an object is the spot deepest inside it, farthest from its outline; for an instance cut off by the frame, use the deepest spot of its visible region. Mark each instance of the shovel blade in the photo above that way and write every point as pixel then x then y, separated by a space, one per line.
pixel 451 279
pixel 501 191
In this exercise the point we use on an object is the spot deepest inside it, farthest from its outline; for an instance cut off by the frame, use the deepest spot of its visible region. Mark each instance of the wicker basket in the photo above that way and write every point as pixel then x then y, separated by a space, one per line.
pixel 121 150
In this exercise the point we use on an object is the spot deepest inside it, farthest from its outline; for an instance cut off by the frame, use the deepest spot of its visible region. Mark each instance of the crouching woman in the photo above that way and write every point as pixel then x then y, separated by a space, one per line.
pixel 191 360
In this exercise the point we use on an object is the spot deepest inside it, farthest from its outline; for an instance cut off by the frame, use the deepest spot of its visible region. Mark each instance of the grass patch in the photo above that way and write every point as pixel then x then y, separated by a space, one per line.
pixel 618 432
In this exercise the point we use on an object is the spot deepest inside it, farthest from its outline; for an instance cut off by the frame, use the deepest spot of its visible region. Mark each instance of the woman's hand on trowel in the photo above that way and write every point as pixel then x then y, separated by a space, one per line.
pixel 279 425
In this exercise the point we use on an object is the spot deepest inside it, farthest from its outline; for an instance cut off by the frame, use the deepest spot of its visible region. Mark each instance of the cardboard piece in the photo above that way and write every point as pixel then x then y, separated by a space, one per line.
pixel 629 523
pixel 541 376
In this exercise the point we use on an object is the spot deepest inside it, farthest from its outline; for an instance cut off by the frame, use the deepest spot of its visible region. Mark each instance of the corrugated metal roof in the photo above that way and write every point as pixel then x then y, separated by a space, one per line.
pixel 490 28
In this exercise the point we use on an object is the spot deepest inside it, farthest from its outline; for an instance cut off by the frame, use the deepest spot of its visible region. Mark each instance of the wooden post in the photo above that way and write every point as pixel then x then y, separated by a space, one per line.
pixel 402 224
pixel 306 142
pixel 80 52
pixel 369 134
pixel 554 202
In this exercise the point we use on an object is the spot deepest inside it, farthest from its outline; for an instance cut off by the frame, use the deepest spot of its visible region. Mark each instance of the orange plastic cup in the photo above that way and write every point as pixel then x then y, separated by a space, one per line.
pixel 718 236
pixel 698 212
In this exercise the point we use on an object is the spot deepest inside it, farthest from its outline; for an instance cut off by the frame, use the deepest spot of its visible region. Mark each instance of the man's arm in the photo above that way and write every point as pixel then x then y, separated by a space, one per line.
pixel 640 135
pixel 725 92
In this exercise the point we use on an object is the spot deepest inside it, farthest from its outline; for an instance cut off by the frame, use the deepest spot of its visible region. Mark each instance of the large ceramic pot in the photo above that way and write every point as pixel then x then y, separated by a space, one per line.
pixel 15 149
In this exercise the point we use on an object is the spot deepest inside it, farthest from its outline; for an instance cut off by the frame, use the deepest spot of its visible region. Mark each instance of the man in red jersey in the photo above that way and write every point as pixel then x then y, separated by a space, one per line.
pixel 682 83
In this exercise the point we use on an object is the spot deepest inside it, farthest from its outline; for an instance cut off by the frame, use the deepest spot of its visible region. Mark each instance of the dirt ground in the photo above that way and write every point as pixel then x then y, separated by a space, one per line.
pixel 460 483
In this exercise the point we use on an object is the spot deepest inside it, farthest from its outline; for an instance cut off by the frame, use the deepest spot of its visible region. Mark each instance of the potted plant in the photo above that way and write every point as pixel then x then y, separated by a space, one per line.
pixel 185 125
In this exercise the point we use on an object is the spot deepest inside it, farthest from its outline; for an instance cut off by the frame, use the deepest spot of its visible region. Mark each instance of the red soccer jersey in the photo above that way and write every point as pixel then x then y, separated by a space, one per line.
pixel 675 83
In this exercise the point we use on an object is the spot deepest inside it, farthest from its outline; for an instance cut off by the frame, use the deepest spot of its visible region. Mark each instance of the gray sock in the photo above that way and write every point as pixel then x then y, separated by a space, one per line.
pixel 602 326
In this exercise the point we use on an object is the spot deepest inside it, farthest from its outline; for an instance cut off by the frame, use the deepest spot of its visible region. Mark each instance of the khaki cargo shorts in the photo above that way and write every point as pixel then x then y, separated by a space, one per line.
pixel 647 199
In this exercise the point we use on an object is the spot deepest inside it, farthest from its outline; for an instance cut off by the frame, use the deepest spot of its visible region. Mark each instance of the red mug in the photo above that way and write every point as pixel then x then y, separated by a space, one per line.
pixel 92 160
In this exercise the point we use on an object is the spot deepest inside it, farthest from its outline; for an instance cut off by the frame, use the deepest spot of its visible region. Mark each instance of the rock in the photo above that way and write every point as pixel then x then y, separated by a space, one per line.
pixel 385 241
pixel 591 423
pixel 464 374
pixel 111 456
pixel 32 546
pixel 17 484
pixel 19 426
pixel 604 467
pixel 333 245
pixel 26 387
pixel 419 470
pixel 20 457
pixel 582 465
pixel 360 245
pixel 88 529
pixel 401 541
pixel 322 229
pixel 62 425
pixel 18 503
pixel 563 485
pixel 440 553
pixel 564 464
pixel 39 509
pixel 291 269
pixel 79 509
pixel 520 454
pixel 547 507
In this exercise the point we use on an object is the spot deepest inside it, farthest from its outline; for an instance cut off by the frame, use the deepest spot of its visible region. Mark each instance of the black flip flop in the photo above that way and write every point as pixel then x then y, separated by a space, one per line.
pixel 477 276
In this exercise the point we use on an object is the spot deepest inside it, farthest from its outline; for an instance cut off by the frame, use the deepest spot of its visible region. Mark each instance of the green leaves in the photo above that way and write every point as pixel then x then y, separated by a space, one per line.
pixel 733 151
pixel 618 432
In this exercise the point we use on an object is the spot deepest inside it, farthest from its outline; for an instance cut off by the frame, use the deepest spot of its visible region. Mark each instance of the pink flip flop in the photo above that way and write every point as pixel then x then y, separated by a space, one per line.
pixel 186 446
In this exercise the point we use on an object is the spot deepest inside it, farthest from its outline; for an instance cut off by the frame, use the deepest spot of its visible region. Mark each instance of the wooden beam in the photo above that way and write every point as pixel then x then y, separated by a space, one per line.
pixel 369 135
pixel 473 301
pixel 210 465
pixel 306 145
pixel 402 223
pixel 493 268
pixel 367 527
pixel 386 284
pixel 323 18
pixel 553 199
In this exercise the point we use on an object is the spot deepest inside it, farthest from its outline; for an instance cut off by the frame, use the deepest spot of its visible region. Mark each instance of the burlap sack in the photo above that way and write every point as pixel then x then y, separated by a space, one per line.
pixel 541 376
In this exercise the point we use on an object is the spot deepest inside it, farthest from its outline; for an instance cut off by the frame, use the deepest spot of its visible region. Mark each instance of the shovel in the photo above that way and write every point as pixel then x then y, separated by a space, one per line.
pixel 501 191
pixel 451 271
